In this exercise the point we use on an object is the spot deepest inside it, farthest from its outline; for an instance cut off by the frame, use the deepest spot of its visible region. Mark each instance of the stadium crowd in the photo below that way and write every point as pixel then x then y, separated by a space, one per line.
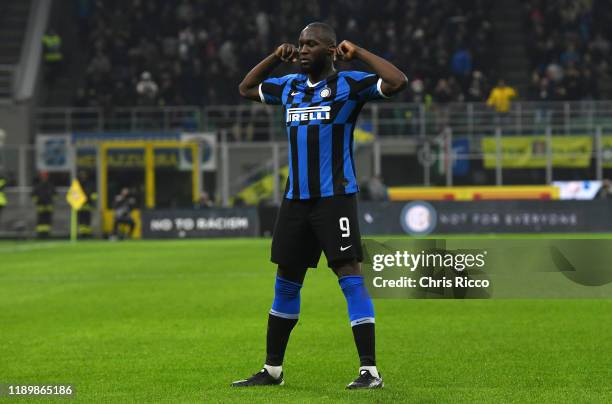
pixel 569 48
pixel 195 51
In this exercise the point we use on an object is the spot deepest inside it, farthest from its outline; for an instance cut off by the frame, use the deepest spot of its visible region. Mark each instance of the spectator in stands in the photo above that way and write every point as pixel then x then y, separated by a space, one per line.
pixel 604 80
pixel 569 56
pixel 84 9
pixel 500 99
pixel 167 91
pixel 590 86
pixel 443 95
pixel 600 46
pixel 477 88
pixel 572 82
pixel 417 91
pixel 191 83
pixel 184 12
pixel 52 55
pixel 98 71
pixel 554 80
pixel 123 205
pixel 147 90
pixel 170 46
pixel 145 55
pixel 186 40
pixel 228 56
pixel 262 21
pixel 204 201
pixel 541 91
pixel 461 65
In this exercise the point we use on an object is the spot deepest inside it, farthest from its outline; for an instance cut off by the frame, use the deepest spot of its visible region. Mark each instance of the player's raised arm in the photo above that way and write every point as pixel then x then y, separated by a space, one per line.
pixel 249 87
pixel 393 79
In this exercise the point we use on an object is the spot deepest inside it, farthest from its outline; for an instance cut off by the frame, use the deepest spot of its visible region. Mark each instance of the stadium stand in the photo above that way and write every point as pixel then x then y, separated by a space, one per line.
pixel 190 51
pixel 13 18
pixel 452 51
pixel 569 49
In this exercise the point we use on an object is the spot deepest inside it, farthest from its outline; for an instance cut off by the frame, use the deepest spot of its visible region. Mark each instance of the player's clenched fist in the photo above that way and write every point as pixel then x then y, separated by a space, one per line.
pixel 287 53
pixel 346 50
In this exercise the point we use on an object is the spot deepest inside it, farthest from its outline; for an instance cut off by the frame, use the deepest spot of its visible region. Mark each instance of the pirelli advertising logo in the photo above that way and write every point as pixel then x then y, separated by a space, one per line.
pixel 306 114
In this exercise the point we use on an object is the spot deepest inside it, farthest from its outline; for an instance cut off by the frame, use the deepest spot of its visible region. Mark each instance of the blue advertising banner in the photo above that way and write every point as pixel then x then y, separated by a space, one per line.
pixel 441 217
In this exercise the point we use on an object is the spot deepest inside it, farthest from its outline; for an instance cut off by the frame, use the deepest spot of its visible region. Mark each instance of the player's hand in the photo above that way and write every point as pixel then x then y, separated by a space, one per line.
pixel 287 52
pixel 346 50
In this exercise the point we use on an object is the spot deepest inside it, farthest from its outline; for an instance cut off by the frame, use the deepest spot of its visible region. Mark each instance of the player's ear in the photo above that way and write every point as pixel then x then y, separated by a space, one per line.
pixel 334 52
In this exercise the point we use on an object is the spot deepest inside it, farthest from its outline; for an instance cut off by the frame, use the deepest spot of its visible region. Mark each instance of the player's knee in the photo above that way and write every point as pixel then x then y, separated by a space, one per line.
pixel 286 299
pixel 348 268
pixel 293 275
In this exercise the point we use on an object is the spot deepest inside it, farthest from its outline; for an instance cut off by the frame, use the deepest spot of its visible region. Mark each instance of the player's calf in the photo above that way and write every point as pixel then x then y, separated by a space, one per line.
pixel 361 315
pixel 282 319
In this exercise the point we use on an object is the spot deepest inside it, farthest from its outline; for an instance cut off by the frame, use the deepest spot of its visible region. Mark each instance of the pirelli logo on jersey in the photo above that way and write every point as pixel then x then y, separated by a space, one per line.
pixel 318 113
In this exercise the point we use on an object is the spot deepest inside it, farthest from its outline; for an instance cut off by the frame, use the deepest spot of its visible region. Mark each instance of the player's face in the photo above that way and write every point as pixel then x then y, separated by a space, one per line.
pixel 315 52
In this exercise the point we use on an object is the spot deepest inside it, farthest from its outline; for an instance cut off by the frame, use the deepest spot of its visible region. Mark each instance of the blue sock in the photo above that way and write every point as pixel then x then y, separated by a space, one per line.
pixel 360 307
pixel 286 299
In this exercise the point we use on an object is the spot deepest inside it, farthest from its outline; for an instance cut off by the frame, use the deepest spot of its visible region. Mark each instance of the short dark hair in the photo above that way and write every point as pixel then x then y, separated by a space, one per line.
pixel 327 33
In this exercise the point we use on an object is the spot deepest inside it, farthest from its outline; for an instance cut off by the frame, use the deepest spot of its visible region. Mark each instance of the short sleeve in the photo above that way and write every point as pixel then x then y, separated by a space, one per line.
pixel 365 86
pixel 271 89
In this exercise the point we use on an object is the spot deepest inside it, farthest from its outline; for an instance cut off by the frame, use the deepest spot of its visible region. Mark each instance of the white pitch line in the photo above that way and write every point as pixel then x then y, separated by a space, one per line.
pixel 25 247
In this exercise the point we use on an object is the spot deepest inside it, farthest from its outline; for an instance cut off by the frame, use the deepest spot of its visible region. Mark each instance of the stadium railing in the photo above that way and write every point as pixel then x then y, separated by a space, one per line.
pixel 256 122
pixel 136 119
pixel 443 159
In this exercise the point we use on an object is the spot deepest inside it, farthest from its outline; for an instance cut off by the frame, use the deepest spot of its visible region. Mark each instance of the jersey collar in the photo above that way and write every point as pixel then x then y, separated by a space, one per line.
pixel 311 85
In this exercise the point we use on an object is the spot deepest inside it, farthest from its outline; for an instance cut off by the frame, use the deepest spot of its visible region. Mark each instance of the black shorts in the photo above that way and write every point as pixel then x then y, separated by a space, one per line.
pixel 304 228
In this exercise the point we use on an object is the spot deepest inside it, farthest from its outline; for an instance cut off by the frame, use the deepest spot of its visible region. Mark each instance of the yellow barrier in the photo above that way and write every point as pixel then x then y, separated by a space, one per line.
pixel 473 193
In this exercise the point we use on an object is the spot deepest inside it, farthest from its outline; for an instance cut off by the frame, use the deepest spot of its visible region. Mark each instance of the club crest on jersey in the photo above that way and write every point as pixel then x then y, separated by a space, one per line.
pixel 325 92
pixel 318 113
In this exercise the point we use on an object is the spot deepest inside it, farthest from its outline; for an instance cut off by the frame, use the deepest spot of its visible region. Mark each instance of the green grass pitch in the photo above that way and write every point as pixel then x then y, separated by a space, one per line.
pixel 177 321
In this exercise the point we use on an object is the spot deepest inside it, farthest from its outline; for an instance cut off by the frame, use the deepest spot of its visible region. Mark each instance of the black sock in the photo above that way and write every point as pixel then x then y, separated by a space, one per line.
pixel 365 342
pixel 276 341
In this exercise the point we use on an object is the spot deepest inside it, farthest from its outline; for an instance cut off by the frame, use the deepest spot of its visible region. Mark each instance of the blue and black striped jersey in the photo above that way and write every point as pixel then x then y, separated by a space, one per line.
pixel 320 119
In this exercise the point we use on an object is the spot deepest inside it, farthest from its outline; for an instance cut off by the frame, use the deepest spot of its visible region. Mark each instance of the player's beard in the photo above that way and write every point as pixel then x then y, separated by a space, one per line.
pixel 315 66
